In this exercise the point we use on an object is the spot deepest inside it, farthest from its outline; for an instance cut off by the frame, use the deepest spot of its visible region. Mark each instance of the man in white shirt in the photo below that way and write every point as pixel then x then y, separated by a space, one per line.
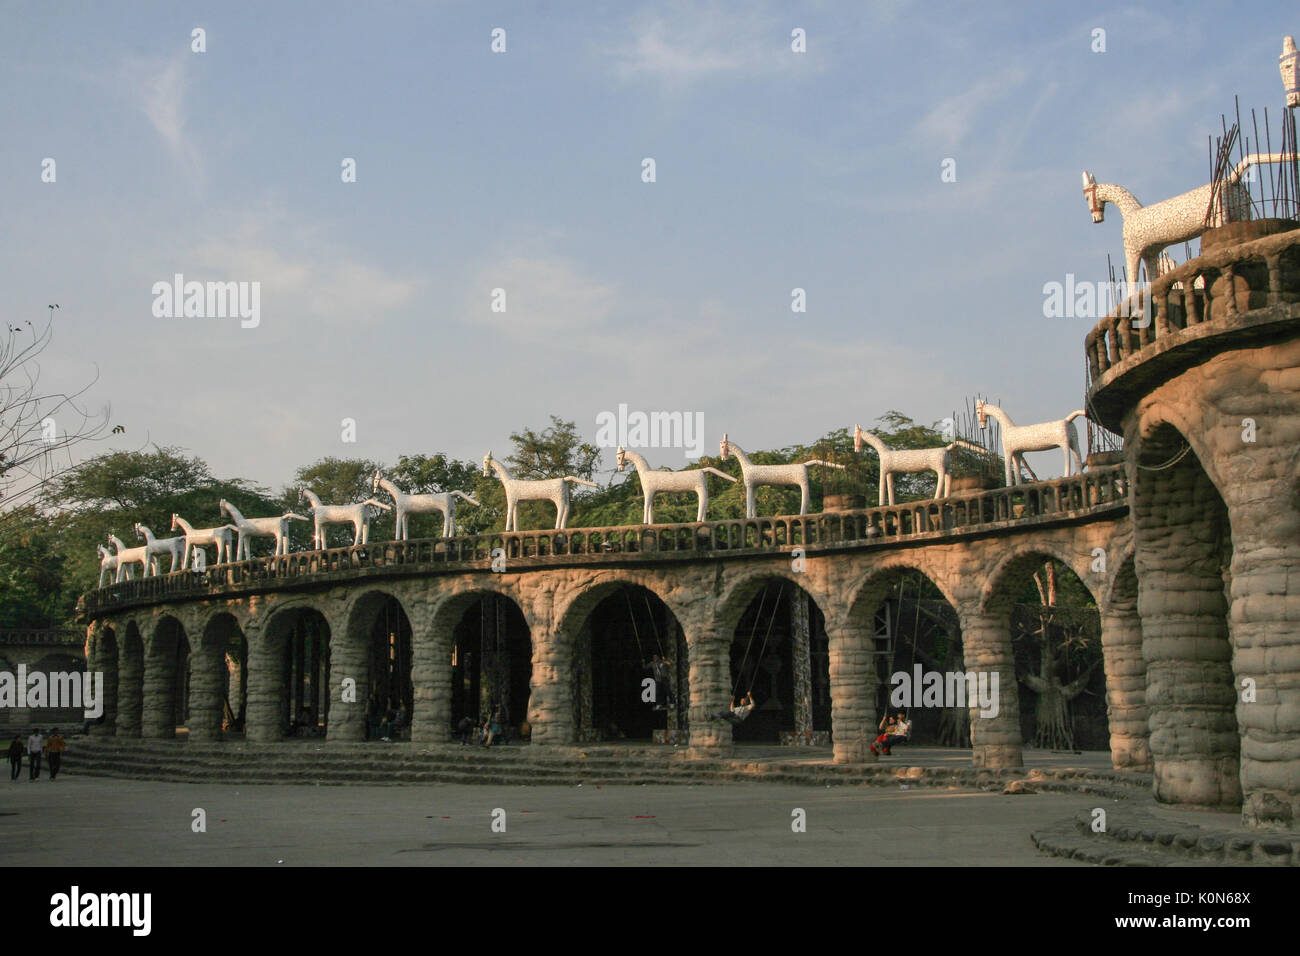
pixel 35 744
pixel 738 712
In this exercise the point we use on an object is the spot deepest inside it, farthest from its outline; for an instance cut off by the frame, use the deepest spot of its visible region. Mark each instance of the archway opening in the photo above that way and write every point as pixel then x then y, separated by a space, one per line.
pixel 917 633
pixel 780 654
pixel 631 670
pixel 391 691
pixel 492 666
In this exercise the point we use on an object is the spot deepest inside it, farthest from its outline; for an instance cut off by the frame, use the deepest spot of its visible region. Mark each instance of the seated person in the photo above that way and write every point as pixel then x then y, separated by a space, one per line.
pixel 465 728
pixel 738 712
pixel 896 732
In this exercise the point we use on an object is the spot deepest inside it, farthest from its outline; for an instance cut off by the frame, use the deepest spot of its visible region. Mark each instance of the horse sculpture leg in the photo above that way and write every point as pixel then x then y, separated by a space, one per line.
pixel 703 507
pixel 803 496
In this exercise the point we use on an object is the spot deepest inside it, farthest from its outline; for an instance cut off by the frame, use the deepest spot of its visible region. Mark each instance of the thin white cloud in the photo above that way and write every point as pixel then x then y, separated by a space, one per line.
pixel 158 89
pixel 949 122
pixel 544 294
pixel 690 43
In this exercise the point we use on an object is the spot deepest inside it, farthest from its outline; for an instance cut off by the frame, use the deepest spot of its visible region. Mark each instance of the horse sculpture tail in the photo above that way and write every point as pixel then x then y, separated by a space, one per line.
pixel 470 498
pixel 1075 414
pixel 293 517
pixel 827 464
pixel 970 446
pixel 720 474
pixel 580 481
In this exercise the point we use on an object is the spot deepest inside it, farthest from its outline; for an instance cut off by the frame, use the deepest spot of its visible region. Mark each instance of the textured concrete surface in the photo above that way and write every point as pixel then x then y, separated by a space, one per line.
pixel 95 822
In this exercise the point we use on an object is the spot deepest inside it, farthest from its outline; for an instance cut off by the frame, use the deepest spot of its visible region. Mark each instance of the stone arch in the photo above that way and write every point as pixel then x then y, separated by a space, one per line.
pixel 777 645
pixel 1183 562
pixel 166 678
pixel 490 655
pixel 901 615
pixel 379 634
pixel 219 665
pixel 1051 713
pixel 612 628
pixel 287 652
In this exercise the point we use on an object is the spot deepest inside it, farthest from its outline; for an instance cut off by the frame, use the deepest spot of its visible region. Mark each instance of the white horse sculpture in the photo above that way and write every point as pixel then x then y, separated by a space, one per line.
pixel 910 461
pixel 1150 229
pixel 160 546
pixel 655 482
pixel 108 564
pixel 755 475
pixel 555 490
pixel 1018 439
pixel 196 539
pixel 406 505
pixel 358 515
pixel 249 528
pixel 129 556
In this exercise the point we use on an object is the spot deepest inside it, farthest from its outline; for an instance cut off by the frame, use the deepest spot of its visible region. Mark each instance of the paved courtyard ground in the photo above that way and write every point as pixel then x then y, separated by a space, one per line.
pixel 89 821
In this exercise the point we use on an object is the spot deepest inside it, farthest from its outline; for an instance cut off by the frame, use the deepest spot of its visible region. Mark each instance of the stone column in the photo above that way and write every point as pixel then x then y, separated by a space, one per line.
pixel 103 658
pixel 265 682
pixel 710 687
pixel 431 674
pixel 350 663
pixel 550 698
pixel 853 691
pixel 130 687
pixel 158 714
pixel 986 646
pixel 1181 541
pixel 1265 626
pixel 1126 682
pixel 801 658
pixel 207 686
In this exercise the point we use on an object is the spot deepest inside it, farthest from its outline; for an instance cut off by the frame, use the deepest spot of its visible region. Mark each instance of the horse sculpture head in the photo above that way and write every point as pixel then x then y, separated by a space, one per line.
pixel 487 465
pixel 857 437
pixel 1095 205
pixel 374 481
pixel 981 414
pixel 724 447
pixel 622 457
pixel 175 517
pixel 137 528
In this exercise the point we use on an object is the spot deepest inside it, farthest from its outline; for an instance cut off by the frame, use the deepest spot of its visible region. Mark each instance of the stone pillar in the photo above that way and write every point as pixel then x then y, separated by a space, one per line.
pixel 550 698
pixel 265 682
pixel 130 686
pixel 349 661
pixel 801 658
pixel 207 687
pixel 158 715
pixel 1265 627
pixel 853 691
pixel 1181 541
pixel 431 674
pixel 102 657
pixel 710 687
pixel 986 646
pixel 1126 681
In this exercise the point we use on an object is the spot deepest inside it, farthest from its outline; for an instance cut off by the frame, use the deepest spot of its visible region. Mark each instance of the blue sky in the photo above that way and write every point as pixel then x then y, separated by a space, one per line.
pixel 522 170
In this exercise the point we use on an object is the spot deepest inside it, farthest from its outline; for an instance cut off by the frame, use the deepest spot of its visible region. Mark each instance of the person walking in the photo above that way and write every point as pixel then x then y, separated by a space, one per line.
pixel 35 744
pixel 15 757
pixel 54 748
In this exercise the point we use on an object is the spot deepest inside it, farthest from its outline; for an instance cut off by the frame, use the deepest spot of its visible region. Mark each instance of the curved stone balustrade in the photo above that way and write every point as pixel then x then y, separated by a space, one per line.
pixel 1244 289
pixel 1100 491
